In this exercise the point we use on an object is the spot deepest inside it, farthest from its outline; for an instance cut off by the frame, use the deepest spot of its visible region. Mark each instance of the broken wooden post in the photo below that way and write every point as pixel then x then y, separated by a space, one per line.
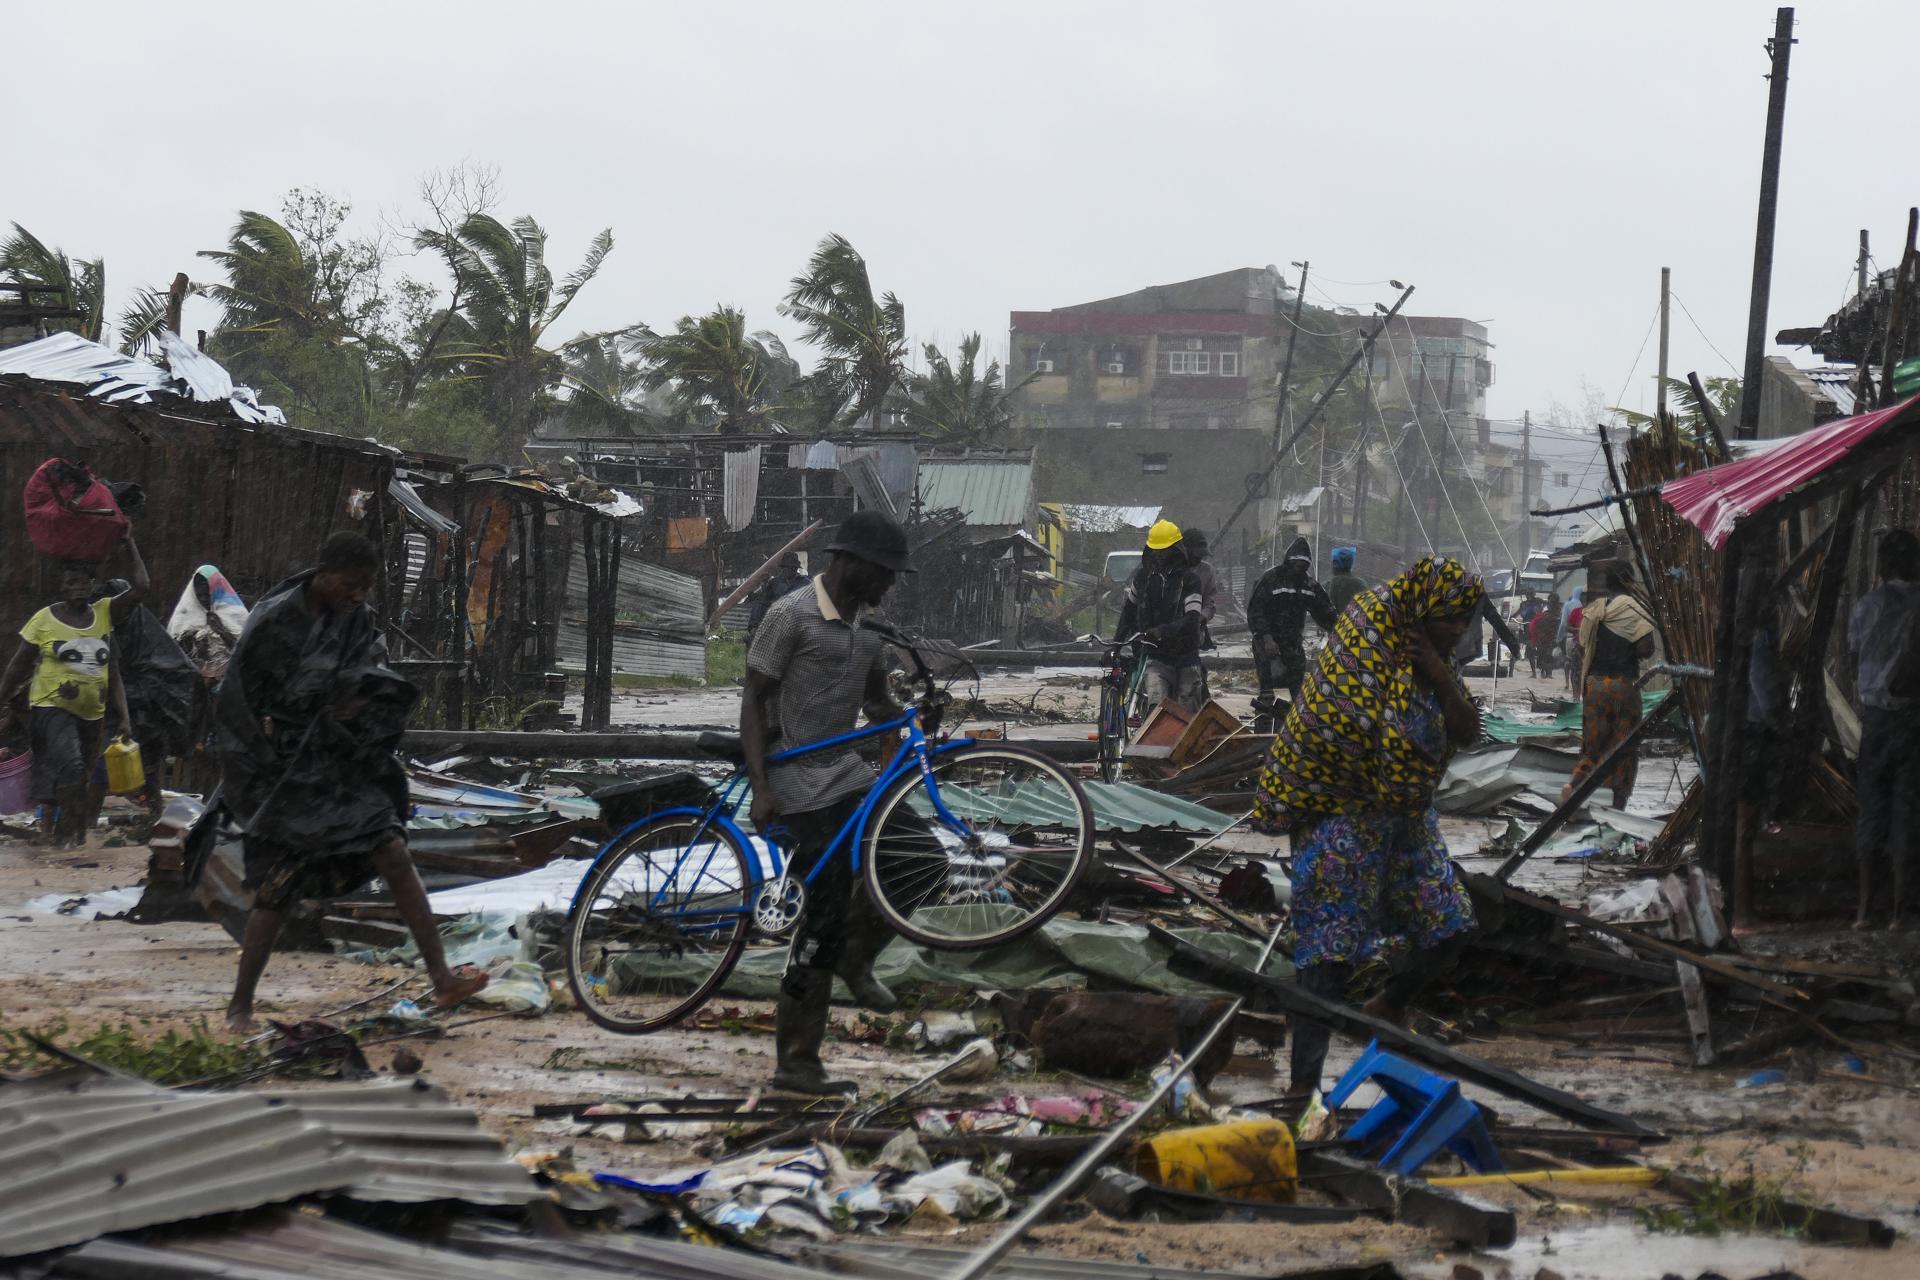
pixel 761 574
pixel 1288 997
pixel 1465 1220
pixel 1585 787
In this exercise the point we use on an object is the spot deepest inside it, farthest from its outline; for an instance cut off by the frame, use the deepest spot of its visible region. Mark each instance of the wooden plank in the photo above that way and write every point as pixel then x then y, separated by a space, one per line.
pixel 1699 1022
pixel 1462 1218
pixel 1190 961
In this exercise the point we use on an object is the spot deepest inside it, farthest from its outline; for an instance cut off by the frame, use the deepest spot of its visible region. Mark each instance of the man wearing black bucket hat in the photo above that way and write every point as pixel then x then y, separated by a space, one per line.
pixel 811 670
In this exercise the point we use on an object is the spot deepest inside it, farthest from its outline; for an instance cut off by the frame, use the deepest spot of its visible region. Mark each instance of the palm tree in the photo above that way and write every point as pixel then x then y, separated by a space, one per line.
pixel 79 287
pixel 959 402
pixel 282 326
pixel 512 302
pixel 862 339
pixel 716 369
pixel 606 386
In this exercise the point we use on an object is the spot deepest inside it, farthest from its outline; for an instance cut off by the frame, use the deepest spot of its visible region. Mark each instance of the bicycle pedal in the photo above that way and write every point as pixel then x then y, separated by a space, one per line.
pixel 777 905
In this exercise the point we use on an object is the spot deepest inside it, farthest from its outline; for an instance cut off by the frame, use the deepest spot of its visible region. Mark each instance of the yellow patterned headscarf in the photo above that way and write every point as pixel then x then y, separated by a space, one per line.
pixel 1343 748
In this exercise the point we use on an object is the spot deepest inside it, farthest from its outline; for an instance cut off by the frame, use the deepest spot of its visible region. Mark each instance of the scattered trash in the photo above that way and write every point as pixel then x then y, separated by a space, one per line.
pixel 1761 1079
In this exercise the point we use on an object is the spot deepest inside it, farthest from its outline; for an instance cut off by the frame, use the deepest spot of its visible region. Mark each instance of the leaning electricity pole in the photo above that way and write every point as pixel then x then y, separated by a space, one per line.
pixel 1660 388
pixel 1779 51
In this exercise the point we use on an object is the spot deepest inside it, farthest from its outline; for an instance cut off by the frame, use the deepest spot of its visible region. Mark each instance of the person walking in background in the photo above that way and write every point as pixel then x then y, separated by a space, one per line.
pixel 309 717
pixel 1345 584
pixel 1885 641
pixel 68 665
pixel 1523 617
pixel 1277 611
pixel 1568 637
pixel 207 621
pixel 1615 637
pixel 1543 632
pixel 1352 774
pixel 787 578
pixel 1164 606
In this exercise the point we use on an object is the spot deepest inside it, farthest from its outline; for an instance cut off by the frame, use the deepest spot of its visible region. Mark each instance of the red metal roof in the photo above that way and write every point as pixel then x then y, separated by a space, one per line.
pixel 1718 498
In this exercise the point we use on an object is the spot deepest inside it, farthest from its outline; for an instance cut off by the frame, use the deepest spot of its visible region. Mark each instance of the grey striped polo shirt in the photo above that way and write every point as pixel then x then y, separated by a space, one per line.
pixel 822 664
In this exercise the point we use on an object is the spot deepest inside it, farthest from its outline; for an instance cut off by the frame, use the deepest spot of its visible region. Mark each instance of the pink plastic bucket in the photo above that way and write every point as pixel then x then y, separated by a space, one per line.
pixel 16 783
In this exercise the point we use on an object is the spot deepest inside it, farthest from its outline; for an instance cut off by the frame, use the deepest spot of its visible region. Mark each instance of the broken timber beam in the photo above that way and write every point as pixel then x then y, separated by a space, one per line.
pixel 522 745
pixel 1776 994
pixel 1586 787
pixel 1462 1218
pixel 1263 992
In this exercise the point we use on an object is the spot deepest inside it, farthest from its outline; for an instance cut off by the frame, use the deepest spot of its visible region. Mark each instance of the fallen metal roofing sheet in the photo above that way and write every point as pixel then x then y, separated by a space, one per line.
pixel 1122 806
pixel 1717 499
pixel 84 1154
pixel 111 375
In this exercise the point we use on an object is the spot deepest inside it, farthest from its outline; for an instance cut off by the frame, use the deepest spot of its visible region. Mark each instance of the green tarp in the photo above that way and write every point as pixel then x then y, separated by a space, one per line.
pixel 1501 729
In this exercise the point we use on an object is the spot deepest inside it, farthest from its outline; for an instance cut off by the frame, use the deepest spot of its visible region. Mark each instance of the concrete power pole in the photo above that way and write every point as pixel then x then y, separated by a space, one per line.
pixel 1526 494
pixel 1860 266
pixel 1660 392
pixel 1779 51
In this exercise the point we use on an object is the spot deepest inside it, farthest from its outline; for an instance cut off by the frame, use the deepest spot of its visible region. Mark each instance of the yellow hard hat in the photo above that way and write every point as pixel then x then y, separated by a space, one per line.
pixel 1163 535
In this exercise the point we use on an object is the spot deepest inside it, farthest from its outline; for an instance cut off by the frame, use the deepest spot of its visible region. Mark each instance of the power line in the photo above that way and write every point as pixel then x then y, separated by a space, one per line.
pixel 1703 334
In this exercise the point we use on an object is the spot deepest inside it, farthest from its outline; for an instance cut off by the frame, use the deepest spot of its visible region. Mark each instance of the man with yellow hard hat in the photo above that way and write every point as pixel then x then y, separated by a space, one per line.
pixel 1164 607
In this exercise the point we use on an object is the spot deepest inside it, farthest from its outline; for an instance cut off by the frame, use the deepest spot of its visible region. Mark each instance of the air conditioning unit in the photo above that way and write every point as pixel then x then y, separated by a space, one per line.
pixel 1116 366
pixel 1194 344
pixel 1043 366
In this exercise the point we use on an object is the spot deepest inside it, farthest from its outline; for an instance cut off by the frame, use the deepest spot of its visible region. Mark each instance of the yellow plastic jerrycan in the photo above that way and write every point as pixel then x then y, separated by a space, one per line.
pixel 1246 1160
pixel 125 774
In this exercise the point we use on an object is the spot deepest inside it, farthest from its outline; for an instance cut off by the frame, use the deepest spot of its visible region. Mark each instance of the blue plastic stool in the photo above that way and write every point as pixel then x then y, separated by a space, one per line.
pixel 1425 1111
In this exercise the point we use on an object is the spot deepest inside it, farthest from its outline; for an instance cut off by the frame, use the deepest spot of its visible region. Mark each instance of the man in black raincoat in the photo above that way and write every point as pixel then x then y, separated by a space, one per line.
pixel 307 721
pixel 1277 611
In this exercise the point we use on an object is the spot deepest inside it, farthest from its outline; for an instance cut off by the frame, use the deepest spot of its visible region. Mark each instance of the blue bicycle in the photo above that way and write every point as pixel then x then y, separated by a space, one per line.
pixel 964 844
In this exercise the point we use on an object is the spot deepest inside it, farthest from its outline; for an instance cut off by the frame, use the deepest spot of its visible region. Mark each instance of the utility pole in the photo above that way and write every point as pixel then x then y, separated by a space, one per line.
pixel 1286 369
pixel 1526 494
pixel 1285 389
pixel 1779 51
pixel 1660 390
pixel 1860 266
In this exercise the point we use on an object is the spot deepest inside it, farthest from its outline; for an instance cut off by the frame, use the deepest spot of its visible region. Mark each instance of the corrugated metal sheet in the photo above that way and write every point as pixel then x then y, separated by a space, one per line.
pixel 647 593
pixel 1117 806
pixel 1836 383
pixel 1087 517
pixel 84 1154
pixel 194 375
pixel 986 492
pixel 660 621
pixel 635 654
pixel 1717 499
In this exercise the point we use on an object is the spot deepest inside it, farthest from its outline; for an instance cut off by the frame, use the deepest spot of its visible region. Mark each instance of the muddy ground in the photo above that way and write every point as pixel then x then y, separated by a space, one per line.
pixel 1846 1143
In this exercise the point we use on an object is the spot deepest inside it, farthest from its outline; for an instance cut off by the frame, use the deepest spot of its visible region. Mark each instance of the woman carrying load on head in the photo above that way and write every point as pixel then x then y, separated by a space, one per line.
pixel 1352 775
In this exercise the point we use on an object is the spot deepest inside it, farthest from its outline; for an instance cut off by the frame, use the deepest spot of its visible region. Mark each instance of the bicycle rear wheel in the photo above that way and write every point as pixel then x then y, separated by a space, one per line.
pixel 1020 836
pixel 658 923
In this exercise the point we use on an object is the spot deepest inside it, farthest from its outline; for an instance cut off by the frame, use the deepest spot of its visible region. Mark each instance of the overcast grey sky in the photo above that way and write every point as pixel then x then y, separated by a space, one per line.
pixel 1529 164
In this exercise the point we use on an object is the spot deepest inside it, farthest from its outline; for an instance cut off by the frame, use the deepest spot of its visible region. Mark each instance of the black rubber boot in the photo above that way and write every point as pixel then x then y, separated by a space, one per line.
pixel 1310 1039
pixel 867 935
pixel 799 1029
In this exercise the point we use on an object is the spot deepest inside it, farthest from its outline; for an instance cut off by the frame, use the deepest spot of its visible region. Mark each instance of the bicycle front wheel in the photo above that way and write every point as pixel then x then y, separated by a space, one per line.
pixel 986 852
pixel 658 923
pixel 1112 730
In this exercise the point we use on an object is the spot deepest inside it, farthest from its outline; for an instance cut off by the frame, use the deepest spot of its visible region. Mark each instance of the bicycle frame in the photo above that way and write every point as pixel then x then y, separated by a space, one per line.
pixel 914 752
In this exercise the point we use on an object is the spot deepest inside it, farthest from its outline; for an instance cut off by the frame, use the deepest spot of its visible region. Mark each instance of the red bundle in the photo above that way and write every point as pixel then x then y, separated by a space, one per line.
pixel 71 514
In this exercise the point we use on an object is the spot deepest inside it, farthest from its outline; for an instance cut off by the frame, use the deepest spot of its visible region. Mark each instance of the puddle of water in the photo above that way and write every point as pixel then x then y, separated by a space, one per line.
pixel 1619 1251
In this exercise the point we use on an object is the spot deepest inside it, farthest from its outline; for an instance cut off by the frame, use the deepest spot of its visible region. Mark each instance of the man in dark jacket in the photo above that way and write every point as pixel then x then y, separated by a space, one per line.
pixel 1277 612
pixel 787 579
pixel 1164 606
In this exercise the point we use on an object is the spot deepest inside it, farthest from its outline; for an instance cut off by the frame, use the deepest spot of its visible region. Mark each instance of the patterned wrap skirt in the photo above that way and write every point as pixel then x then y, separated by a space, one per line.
pixel 1608 712
pixel 1373 884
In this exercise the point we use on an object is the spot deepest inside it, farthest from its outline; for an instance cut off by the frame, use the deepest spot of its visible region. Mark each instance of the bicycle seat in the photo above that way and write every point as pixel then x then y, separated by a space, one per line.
pixel 724 746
